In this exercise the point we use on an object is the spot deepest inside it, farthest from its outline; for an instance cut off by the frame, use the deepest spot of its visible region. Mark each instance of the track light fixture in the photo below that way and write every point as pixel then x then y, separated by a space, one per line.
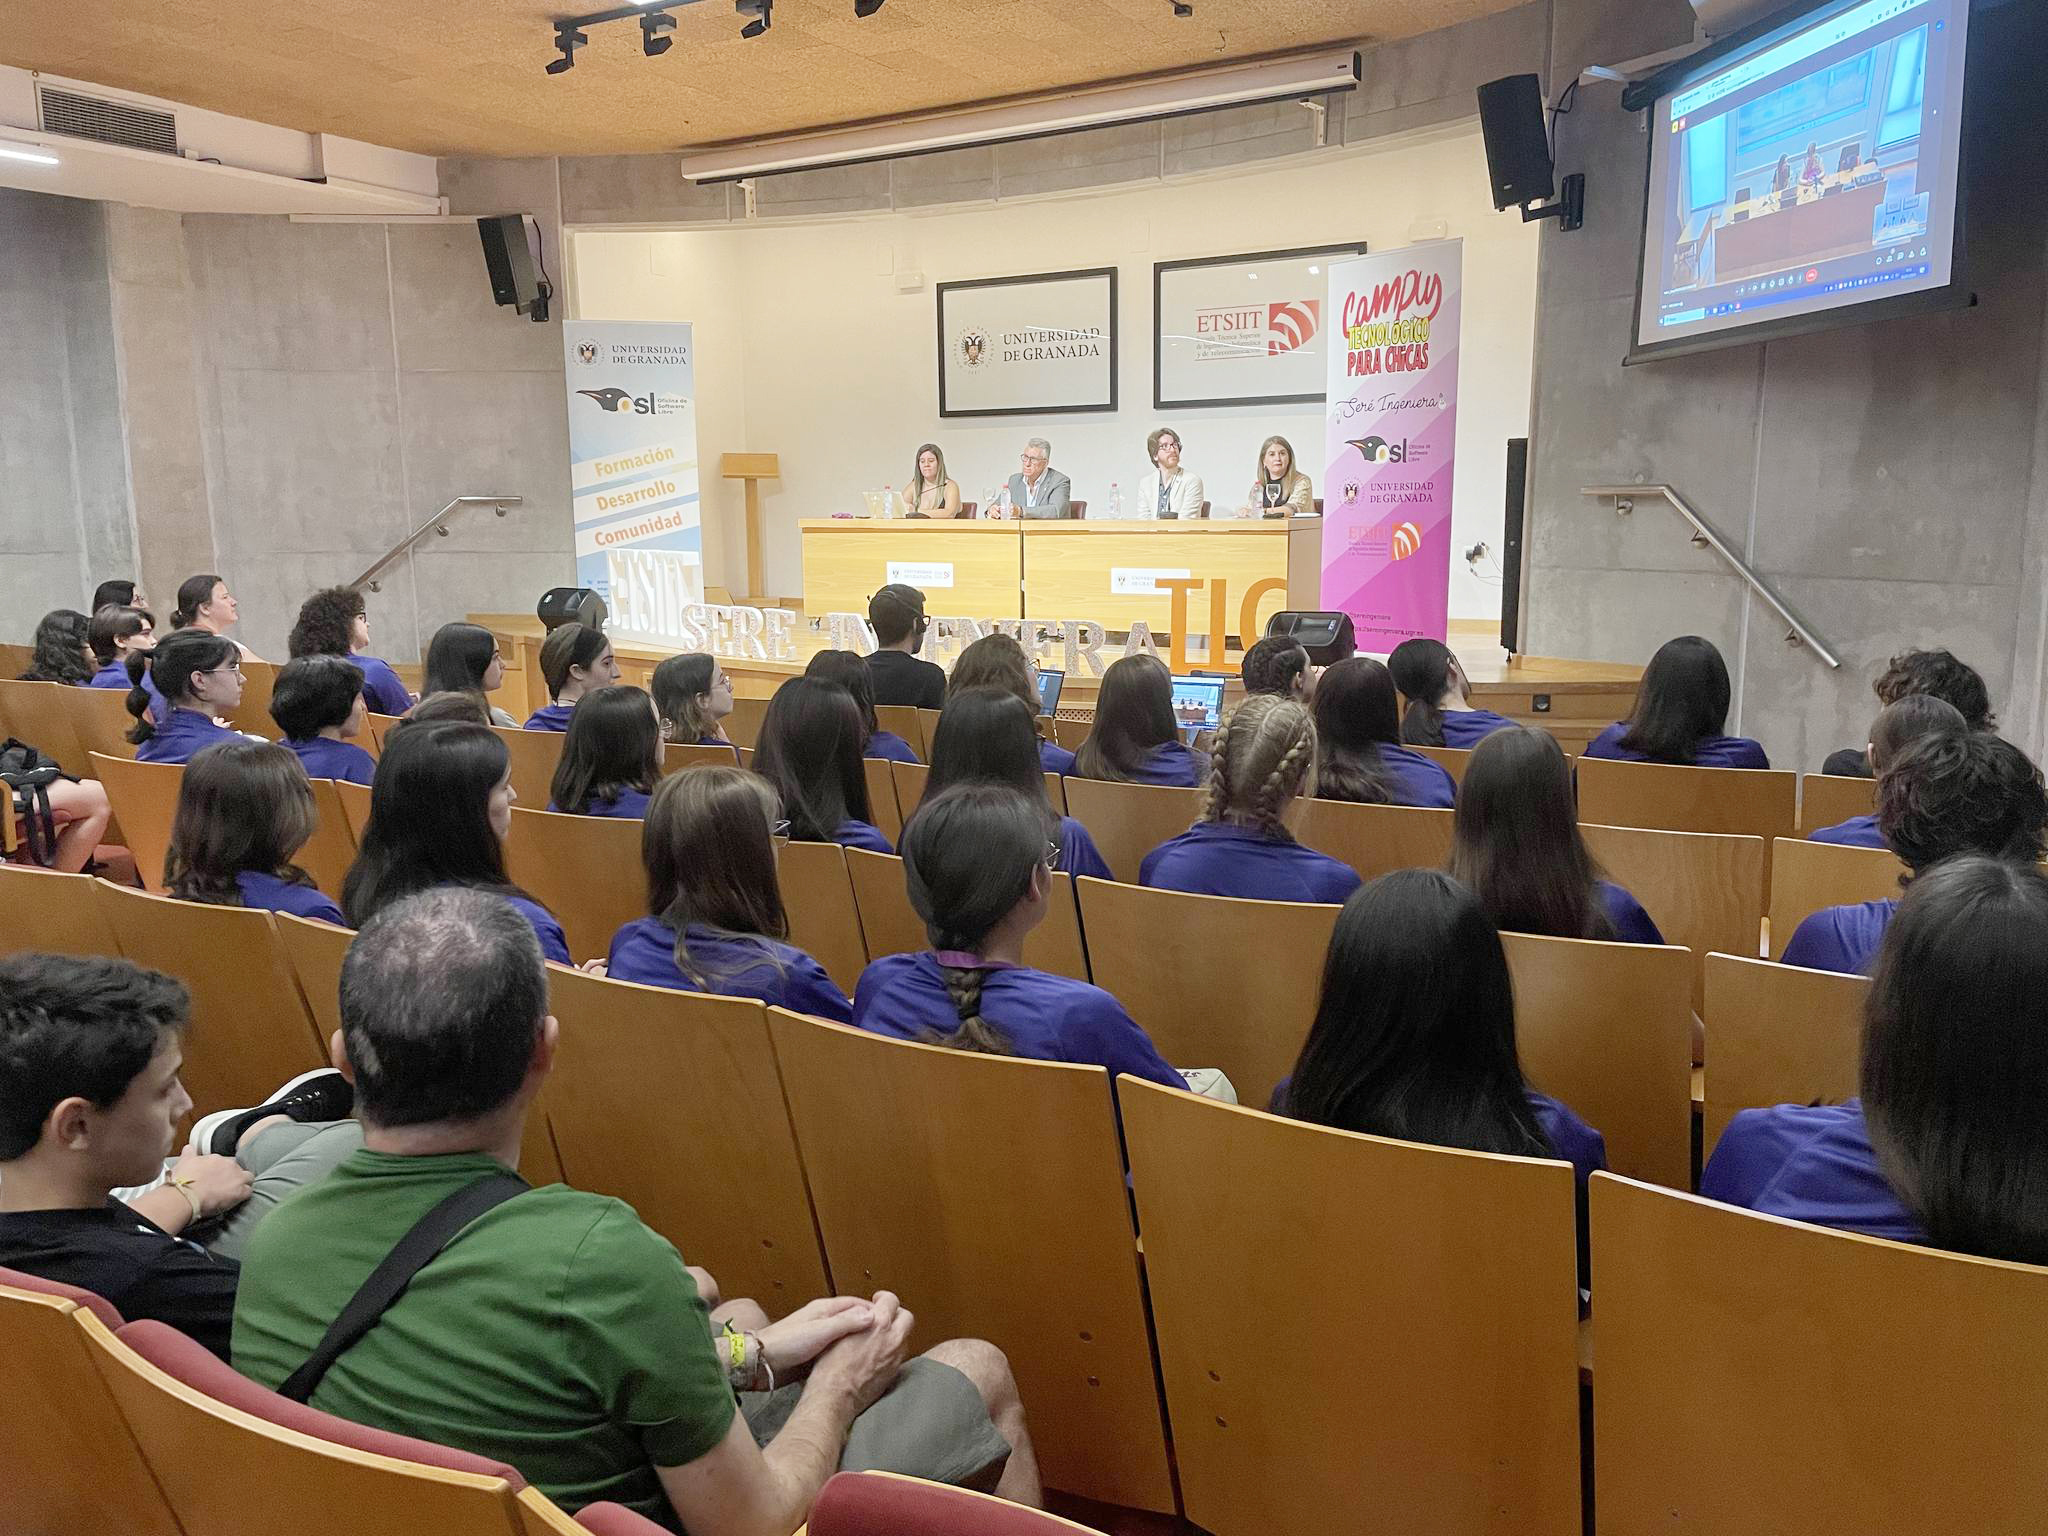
pixel 763 12
pixel 568 39
pixel 1182 9
pixel 658 25
pixel 866 8
pixel 655 28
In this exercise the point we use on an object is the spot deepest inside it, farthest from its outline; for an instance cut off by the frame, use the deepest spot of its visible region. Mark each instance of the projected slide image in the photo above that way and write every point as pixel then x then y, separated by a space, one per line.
pixel 1813 168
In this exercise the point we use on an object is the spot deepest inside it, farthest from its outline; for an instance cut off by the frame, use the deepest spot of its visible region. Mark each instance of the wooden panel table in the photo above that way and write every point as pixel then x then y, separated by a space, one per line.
pixel 1104 570
pixel 963 567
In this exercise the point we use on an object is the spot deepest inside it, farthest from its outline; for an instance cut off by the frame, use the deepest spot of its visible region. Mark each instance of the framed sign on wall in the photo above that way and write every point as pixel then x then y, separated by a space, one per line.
pixel 1028 346
pixel 1242 330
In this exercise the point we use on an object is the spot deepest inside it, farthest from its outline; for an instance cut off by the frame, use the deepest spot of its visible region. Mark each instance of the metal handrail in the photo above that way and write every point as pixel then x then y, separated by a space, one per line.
pixel 1624 497
pixel 438 523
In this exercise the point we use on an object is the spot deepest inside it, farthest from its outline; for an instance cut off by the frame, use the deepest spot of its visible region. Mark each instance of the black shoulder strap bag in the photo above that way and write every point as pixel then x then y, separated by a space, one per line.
pixel 387 1282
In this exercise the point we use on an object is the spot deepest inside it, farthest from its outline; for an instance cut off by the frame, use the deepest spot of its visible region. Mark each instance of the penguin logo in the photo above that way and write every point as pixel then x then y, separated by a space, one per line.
pixel 586 352
pixel 609 399
pixel 1373 450
pixel 1406 541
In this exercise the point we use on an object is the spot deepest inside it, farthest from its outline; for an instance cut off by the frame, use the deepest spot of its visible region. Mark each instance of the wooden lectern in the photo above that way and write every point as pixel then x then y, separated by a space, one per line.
pixel 752 468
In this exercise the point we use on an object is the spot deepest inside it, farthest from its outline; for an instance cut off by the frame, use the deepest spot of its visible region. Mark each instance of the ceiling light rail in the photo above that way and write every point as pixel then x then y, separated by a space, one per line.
pixel 658 25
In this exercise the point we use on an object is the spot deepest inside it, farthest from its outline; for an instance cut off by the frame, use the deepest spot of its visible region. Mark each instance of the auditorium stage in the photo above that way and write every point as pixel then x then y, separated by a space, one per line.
pixel 1573 700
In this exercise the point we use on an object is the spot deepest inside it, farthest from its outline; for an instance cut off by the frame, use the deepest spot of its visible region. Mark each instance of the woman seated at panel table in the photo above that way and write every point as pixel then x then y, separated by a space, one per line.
pixel 244 808
pixel 1680 714
pixel 849 671
pixel 990 736
pixel 611 756
pixel 977 860
pixel 1896 728
pixel 717 922
pixel 1944 1146
pixel 1516 845
pixel 998 661
pixel 809 752
pixel 1265 756
pixel 1414 1037
pixel 931 492
pixel 1135 738
pixel 1439 695
pixel 693 697
pixel 1358 738
pixel 319 704
pixel 1949 793
pixel 574 660
pixel 1281 489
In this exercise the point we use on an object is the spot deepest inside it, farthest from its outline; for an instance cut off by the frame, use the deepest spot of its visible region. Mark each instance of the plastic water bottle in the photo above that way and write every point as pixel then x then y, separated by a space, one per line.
pixel 1116 500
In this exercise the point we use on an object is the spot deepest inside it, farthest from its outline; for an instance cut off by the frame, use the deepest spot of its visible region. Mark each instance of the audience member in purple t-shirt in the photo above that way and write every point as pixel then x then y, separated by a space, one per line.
pixel 1681 713
pixel 1440 712
pixel 611 756
pixel 1944 1144
pixel 574 660
pixel 1135 738
pixel 809 751
pixel 318 702
pixel 849 671
pixel 693 696
pixel 1898 726
pixel 1516 845
pixel 1359 756
pixel 977 861
pixel 244 810
pixel 335 622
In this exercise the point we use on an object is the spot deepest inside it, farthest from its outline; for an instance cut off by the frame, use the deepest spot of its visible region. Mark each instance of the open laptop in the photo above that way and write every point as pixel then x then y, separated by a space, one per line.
pixel 1198 703
pixel 1050 680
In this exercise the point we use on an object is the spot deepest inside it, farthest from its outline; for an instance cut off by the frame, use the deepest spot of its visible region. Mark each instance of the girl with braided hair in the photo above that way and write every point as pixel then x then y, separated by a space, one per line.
pixel 978 862
pixel 1265 756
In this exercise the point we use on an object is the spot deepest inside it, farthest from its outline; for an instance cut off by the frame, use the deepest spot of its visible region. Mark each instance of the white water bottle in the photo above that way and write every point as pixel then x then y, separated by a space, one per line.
pixel 1116 500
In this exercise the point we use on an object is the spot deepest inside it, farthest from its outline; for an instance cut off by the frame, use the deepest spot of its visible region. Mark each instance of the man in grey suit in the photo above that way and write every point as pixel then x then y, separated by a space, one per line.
pixel 1040 491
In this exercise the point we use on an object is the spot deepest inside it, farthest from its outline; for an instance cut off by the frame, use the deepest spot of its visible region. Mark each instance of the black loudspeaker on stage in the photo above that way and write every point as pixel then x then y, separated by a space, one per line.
pixel 571 605
pixel 1327 637
pixel 1517 142
pixel 1511 546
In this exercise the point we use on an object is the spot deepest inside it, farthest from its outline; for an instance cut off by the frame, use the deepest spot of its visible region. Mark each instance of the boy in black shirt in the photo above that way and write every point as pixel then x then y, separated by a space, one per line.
pixel 896 614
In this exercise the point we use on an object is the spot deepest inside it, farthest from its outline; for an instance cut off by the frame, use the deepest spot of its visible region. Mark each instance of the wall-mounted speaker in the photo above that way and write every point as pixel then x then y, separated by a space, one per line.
pixel 1517 142
pixel 1327 637
pixel 509 260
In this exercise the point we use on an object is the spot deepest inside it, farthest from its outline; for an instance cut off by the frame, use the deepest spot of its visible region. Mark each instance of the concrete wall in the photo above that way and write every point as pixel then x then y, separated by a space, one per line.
pixel 1889 481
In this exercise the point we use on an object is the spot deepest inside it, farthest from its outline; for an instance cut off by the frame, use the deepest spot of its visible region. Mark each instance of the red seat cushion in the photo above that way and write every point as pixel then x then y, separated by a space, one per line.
pixel 875 1504
pixel 199 1368
pixel 97 1305
pixel 616 1520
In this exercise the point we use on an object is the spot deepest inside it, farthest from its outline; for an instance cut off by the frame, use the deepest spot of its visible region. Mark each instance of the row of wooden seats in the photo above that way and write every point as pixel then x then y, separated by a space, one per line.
pixel 1352 1269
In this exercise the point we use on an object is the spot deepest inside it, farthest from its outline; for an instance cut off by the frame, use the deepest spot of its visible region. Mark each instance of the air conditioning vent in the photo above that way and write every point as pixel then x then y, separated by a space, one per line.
pixel 107 122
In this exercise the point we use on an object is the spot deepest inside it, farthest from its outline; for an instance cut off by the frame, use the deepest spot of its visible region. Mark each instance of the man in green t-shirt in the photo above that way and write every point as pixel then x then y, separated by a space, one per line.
pixel 555 1332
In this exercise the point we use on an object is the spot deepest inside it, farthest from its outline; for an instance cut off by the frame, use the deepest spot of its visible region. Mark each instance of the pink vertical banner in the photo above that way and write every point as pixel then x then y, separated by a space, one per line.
pixel 1390 441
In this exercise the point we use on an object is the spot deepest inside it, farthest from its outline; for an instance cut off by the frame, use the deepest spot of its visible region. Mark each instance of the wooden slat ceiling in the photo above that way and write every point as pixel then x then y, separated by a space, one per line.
pixel 462 77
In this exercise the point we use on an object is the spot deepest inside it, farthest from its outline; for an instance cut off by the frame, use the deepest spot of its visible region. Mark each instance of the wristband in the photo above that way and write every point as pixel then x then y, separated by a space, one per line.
pixel 184 1187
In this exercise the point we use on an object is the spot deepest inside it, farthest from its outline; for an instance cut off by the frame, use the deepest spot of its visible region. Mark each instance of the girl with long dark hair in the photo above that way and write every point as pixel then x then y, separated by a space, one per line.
pixel 463 658
pixel 335 621
pixel 1680 714
pixel 611 757
pixel 1516 846
pixel 244 808
pixel 848 671
pixel 1947 1144
pixel 977 859
pixel 693 696
pixel 1265 757
pixel 197 675
pixel 998 661
pixel 990 736
pixel 1135 739
pixel 439 814
pixel 809 752
pixel 1358 739
pixel 574 660
pixel 1439 696
pixel 317 701
pixel 62 650
pixel 716 920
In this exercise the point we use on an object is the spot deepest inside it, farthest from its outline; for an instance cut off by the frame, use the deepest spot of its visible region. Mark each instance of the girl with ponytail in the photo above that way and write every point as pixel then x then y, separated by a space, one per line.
pixel 1439 698
pixel 199 675
pixel 1265 756
pixel 977 860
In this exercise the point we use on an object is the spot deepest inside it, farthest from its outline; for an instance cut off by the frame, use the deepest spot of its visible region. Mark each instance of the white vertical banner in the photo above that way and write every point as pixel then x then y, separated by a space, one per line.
pixel 633 462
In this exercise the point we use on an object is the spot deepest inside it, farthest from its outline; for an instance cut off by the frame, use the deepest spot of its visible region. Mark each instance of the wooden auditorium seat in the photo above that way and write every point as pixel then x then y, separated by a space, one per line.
pixel 989 1193
pixel 817 894
pixel 907 783
pixel 1778 1034
pixel 1828 800
pixel 332 847
pixel 52 913
pixel 355 805
pixel 1451 759
pixel 380 727
pixel 1375 839
pixel 670 1101
pixel 743 725
pixel 882 805
pixel 1128 821
pixel 1434 1297
pixel 68 1462
pixel 1607 1029
pixel 535 755
pixel 252 714
pixel 1071 733
pixel 16 659
pixel 37 714
pixel 100 718
pixel 1215 981
pixel 315 951
pixel 144 797
pixel 1762 1375
pixel 907 721
pixel 1704 890
pixel 677 755
pixel 891 926
pixel 890 1504
pixel 250 1028
pixel 1751 802
pixel 1808 876
pixel 584 869
pixel 928 730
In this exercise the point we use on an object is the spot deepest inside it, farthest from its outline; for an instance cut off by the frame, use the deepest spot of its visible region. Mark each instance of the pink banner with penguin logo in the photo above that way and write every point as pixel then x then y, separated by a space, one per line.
pixel 1391 440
